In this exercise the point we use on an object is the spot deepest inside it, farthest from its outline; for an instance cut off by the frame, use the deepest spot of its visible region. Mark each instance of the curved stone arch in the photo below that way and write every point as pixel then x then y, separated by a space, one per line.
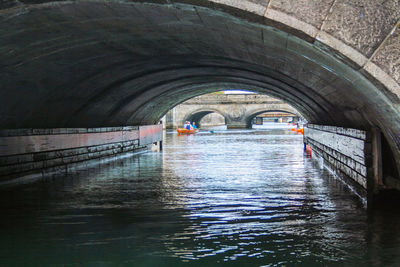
pixel 308 106
pixel 309 20
pixel 198 114
pixel 113 72
pixel 253 114
pixel 364 45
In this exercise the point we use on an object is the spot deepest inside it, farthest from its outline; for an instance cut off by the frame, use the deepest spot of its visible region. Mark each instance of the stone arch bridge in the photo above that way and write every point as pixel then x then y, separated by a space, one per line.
pixel 238 110
pixel 92 65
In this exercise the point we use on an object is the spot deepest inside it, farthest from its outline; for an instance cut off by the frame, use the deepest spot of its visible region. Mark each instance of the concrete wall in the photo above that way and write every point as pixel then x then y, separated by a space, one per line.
pixel 347 152
pixel 27 154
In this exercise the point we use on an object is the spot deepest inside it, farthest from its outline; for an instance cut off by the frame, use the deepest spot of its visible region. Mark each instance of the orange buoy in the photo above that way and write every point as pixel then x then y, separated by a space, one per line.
pixel 308 150
pixel 298 130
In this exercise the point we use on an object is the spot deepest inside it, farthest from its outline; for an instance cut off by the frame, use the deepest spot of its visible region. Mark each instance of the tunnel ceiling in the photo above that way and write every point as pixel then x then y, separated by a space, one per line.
pixel 96 63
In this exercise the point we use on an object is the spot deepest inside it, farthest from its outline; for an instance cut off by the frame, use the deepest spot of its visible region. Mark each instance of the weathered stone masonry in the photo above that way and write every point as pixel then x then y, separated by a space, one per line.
pixel 347 152
pixel 36 153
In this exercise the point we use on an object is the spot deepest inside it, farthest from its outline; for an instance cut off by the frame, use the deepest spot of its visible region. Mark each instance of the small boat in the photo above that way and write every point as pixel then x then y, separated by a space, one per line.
pixel 300 131
pixel 186 131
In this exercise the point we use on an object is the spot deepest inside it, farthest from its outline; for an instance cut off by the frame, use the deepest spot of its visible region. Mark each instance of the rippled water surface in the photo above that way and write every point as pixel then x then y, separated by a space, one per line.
pixel 240 198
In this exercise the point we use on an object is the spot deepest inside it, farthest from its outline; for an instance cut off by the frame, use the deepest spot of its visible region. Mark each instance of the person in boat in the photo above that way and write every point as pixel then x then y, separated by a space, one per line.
pixel 194 125
pixel 189 126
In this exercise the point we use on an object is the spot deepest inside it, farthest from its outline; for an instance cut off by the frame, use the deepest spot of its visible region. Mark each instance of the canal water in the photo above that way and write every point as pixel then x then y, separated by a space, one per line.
pixel 228 198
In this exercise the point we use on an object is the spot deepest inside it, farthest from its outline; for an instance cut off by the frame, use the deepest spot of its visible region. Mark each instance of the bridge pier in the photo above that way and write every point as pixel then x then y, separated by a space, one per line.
pixel 237 126
pixel 31 154
pixel 237 123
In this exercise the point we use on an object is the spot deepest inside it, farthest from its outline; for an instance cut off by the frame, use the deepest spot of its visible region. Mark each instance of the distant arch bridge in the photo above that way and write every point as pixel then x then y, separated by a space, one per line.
pixel 238 109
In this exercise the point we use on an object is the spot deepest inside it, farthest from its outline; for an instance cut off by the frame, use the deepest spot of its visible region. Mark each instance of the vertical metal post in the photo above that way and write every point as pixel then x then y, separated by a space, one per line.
pixel 374 166
pixel 377 156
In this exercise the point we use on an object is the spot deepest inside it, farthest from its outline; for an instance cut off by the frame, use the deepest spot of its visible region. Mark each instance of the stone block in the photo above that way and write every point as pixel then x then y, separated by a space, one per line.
pixel 82 157
pixel 52 162
pixel 94 155
pixel 69 159
pixel 15 159
pixel 254 6
pixel 92 149
pixel 351 163
pixel 128 148
pixel 363 182
pixel 106 153
pixel 309 11
pixel 362 24
pixel 361 169
pixel 335 154
pixel 114 151
pixel 75 151
pixel 388 56
pixel 19 168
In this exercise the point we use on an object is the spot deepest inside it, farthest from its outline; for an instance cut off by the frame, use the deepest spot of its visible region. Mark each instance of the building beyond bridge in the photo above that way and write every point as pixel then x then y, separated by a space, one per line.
pixel 238 110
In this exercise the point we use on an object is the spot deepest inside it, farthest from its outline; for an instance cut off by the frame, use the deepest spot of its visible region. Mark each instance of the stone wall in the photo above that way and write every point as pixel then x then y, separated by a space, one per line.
pixel 28 154
pixel 237 110
pixel 212 119
pixel 344 151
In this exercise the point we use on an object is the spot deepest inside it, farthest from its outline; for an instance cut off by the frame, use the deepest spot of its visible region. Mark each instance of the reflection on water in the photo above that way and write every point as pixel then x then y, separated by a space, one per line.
pixel 243 197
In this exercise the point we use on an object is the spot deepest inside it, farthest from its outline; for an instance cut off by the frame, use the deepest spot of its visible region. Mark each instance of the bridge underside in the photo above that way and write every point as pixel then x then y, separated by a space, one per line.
pixel 117 63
